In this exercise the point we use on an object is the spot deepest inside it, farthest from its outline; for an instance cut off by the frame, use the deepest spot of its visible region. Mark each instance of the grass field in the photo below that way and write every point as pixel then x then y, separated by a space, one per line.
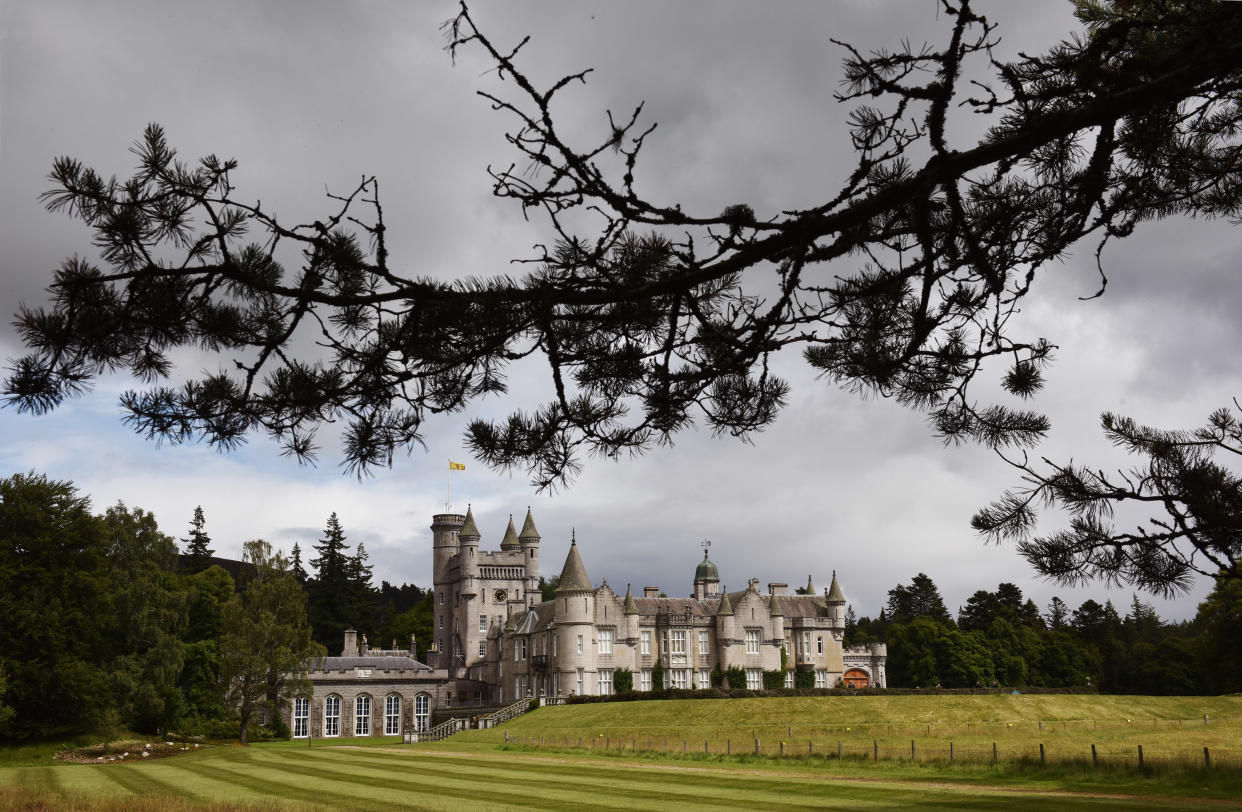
pixel 476 770
pixel 1172 730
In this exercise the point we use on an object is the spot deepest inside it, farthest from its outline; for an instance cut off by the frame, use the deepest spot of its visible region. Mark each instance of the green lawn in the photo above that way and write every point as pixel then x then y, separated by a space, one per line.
pixel 477 770
pixel 475 777
pixel 1171 730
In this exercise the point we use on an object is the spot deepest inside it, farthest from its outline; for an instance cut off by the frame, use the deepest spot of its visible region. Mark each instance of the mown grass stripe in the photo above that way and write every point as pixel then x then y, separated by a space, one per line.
pixel 465 783
pixel 631 785
pixel 286 787
pixel 201 780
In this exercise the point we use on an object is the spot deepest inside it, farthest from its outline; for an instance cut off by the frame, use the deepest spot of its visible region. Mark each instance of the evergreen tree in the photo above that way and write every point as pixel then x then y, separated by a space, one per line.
pixel 920 599
pixel 197 547
pixel 295 564
pixel 1058 614
pixel 331 597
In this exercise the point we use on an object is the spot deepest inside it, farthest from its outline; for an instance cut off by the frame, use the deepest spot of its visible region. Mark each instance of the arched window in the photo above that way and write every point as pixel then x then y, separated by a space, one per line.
pixel 332 715
pixel 392 715
pixel 422 712
pixel 362 715
pixel 301 717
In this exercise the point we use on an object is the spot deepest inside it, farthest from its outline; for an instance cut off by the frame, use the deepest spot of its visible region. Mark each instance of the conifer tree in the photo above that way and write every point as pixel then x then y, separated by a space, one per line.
pixel 295 564
pixel 197 550
pixel 329 592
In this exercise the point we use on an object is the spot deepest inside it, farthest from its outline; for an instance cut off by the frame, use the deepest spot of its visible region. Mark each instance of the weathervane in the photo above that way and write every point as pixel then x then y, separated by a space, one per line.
pixel 705 543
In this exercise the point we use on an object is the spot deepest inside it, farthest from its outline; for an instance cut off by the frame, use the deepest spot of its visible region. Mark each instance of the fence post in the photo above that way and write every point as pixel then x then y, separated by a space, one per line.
pixel 810 748
pixel 1205 718
pixel 950 751
pixel 683 747
pixel 1041 724
pixel 782 748
pixel 1095 759
pixel 705 750
pixel 1207 758
pixel 875 746
pixel 1140 747
pixel 506 737
pixel 912 757
pixel 838 748
pixel 789 730
pixel 993 752
pixel 1042 760
pixel 756 747
pixel 728 747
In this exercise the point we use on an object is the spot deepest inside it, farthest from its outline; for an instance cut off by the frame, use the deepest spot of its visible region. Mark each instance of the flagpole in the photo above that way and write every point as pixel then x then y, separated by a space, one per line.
pixel 448 489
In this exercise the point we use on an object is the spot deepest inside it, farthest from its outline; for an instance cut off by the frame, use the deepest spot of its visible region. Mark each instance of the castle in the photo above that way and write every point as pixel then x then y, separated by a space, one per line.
pixel 496 640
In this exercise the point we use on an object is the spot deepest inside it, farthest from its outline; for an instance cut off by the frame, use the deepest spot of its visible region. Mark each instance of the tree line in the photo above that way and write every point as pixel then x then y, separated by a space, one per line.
pixel 1002 638
pixel 110 628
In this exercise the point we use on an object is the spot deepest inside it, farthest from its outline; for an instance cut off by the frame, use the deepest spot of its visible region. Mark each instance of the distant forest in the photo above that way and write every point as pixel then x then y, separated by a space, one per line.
pixel 1002 638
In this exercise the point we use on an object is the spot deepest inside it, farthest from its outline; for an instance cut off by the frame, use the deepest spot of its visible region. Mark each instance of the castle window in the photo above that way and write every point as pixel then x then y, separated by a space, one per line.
pixel 644 680
pixel 301 717
pixel 754 679
pixel 519 651
pixel 677 641
pixel 441 598
pixel 332 715
pixel 821 678
pixel 579 651
pixel 579 674
pixel 482 623
pixel 441 620
pixel 702 641
pixel 605 641
pixel 679 678
pixel 392 715
pixel 821 644
pixel 482 648
pixel 644 643
pixel 362 716
pixel 554 646
pixel 605 681
pixel 752 641
pixel 705 679
pixel 422 712
pixel 789 679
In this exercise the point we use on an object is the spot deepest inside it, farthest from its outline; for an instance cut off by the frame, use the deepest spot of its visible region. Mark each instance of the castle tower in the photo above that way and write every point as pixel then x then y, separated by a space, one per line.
pixel 726 629
pixel 575 624
pixel 528 540
pixel 444 529
pixel 468 548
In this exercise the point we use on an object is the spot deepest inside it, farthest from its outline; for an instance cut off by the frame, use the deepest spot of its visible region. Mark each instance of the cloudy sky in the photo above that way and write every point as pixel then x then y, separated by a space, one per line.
pixel 309 96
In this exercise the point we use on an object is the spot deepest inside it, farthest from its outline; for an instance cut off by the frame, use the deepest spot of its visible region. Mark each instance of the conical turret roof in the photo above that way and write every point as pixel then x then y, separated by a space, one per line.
pixel 810 587
pixel 468 528
pixel 835 595
pixel 725 607
pixel 528 527
pixel 573 576
pixel 510 541
pixel 631 606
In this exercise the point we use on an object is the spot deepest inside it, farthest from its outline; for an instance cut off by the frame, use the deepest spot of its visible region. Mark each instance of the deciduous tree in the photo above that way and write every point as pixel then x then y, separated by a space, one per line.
pixel 266 647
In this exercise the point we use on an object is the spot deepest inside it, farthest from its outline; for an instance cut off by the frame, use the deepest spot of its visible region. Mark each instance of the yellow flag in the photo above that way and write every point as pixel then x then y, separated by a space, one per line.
pixel 456 466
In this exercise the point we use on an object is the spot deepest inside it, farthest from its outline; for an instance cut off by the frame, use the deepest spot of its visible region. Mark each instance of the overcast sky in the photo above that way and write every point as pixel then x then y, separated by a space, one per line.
pixel 309 96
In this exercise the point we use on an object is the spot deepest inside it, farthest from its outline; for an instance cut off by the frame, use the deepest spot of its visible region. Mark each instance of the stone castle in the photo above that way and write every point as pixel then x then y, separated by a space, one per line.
pixel 496 640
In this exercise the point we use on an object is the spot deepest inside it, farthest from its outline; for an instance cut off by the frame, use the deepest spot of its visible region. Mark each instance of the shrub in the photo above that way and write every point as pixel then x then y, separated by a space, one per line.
pixel 623 680
pixel 773 680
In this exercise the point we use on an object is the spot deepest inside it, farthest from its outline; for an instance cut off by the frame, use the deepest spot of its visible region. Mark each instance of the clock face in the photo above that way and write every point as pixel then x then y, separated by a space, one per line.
pixel 501 596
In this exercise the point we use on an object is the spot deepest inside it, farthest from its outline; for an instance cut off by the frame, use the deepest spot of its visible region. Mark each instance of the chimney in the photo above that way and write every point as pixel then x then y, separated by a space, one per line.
pixel 778 589
pixel 753 584
pixel 364 648
pixel 413 648
pixel 351 644
pixel 651 592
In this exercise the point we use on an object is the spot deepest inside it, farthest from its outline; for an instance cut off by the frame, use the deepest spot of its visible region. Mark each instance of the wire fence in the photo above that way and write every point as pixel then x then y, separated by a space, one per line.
pixel 1211 742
